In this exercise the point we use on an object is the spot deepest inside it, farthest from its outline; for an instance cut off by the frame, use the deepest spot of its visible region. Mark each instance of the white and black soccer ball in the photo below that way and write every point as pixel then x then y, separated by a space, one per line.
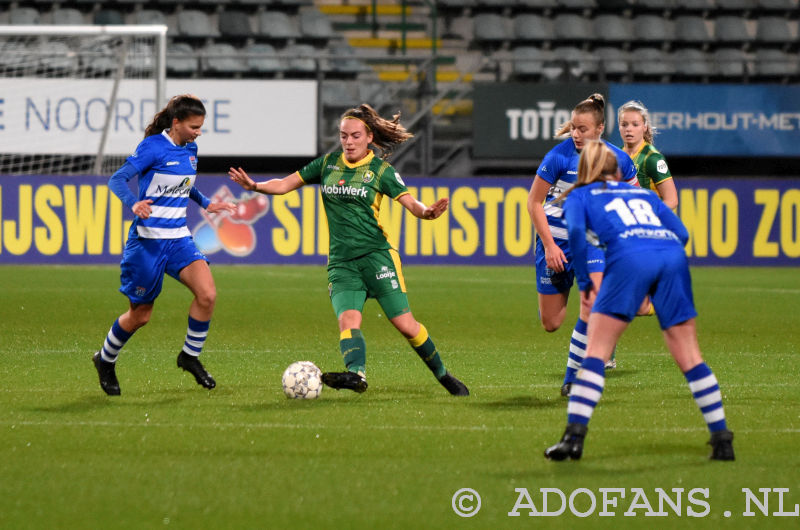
pixel 302 380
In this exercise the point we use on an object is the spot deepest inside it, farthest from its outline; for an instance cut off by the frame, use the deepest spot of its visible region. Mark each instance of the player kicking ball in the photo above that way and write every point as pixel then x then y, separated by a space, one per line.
pixel 361 262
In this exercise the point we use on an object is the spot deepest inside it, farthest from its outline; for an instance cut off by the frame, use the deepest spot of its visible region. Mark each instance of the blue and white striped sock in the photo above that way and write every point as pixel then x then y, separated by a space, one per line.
pixel 705 390
pixel 115 340
pixel 586 390
pixel 577 351
pixel 196 336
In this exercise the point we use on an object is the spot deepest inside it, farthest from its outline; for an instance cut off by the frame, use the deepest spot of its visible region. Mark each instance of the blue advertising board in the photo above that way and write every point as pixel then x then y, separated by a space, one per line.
pixel 62 220
pixel 716 120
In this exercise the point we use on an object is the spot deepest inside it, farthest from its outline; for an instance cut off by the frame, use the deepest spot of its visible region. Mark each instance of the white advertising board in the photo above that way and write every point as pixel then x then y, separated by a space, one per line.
pixel 243 117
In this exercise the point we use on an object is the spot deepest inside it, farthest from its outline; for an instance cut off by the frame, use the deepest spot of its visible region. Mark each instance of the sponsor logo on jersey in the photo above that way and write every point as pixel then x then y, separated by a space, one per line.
pixel 333 167
pixel 193 162
pixel 344 191
pixel 173 163
pixel 385 273
pixel 178 189
pixel 367 177
pixel 662 166
pixel 141 291
pixel 341 182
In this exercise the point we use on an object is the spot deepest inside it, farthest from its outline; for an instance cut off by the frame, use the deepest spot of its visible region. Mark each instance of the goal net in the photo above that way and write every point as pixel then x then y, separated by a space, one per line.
pixel 76 99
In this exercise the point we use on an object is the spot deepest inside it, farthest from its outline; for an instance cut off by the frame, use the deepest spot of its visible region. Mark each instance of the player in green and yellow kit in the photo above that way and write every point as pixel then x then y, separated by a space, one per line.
pixel 637 135
pixel 361 262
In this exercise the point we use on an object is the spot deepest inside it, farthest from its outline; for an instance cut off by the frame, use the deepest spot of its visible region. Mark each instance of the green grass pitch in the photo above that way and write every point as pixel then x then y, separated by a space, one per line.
pixel 168 453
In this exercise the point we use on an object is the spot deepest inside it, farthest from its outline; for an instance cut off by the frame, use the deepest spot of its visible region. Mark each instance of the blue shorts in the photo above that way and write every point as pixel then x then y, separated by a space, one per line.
pixel 549 281
pixel 145 261
pixel 661 274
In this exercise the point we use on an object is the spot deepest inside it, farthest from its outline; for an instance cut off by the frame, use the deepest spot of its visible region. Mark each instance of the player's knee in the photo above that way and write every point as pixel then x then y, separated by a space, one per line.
pixel 207 298
pixel 551 324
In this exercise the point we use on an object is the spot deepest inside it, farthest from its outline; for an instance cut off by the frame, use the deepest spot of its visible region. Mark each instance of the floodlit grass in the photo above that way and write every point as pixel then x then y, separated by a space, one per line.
pixel 167 453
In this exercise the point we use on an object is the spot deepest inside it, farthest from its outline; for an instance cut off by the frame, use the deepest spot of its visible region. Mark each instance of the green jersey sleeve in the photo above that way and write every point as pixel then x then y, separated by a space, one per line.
pixel 391 184
pixel 312 172
pixel 657 169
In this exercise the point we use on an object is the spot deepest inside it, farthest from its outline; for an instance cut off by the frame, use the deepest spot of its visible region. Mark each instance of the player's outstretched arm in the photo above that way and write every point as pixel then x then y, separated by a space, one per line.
pixel 268 187
pixel 421 211
pixel 221 206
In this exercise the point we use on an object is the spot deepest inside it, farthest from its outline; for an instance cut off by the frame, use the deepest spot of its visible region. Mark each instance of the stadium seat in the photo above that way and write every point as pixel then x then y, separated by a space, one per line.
pixel 461 28
pixel 530 28
pixel 731 30
pixel 659 7
pixel 23 16
pixel 345 61
pixel 731 63
pixel 140 58
pixel 67 16
pixel 12 56
pixel 692 30
pixel 528 61
pixel 222 58
pixel 492 30
pixel 774 30
pixel 102 59
pixel 234 25
pixel 181 59
pixel 614 62
pixel 573 28
pixel 57 57
pixel 577 63
pixel 150 16
pixel 692 64
pixel 316 26
pixel 653 29
pixel 301 59
pixel 651 62
pixel 771 63
pixel 613 28
pixel 779 7
pixel 277 26
pixel 108 17
pixel 195 23
pixel 262 58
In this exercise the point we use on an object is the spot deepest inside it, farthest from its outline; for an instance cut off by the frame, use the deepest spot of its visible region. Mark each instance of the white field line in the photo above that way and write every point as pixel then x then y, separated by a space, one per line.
pixel 793 384
pixel 318 427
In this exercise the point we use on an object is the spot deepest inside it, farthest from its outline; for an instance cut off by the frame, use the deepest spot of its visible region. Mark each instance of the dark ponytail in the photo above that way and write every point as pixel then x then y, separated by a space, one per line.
pixel 180 107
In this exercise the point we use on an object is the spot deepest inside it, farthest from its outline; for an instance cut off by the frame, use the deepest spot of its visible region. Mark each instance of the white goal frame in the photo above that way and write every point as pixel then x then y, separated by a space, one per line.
pixel 157 32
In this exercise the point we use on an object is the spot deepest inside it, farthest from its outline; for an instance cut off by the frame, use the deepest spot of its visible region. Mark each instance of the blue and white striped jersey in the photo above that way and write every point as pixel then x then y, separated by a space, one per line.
pixel 621 219
pixel 166 176
pixel 560 168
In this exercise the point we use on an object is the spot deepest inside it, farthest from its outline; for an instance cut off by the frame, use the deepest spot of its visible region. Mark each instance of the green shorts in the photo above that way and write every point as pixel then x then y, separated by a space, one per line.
pixel 377 275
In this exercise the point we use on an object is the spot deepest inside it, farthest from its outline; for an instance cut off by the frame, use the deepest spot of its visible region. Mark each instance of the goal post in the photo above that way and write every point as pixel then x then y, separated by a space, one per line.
pixel 76 99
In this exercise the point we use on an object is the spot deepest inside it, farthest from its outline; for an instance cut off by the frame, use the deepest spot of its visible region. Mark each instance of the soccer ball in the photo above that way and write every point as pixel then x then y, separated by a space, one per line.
pixel 302 380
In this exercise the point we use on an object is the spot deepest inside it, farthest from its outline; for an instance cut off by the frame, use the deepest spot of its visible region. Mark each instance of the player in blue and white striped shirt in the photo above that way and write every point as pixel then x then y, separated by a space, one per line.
pixel 159 241
pixel 643 242
pixel 554 262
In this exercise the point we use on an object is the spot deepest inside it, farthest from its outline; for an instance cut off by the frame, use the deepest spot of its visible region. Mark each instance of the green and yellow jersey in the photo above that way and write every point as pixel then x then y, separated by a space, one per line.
pixel 352 195
pixel 651 167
